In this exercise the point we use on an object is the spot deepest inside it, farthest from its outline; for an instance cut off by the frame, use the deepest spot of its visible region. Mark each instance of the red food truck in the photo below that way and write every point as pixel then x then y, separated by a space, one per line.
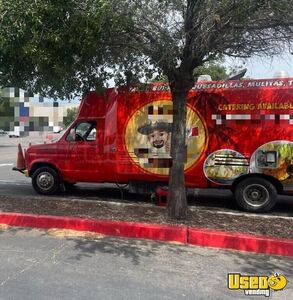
pixel 239 136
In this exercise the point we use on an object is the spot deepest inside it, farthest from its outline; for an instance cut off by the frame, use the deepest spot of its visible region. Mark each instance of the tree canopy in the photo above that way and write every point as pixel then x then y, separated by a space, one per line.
pixel 186 34
pixel 70 116
pixel 215 70
pixel 57 47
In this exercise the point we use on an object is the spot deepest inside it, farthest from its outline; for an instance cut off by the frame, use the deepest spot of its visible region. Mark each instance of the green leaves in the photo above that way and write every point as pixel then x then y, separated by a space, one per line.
pixel 216 71
pixel 70 116
pixel 56 47
pixel 63 47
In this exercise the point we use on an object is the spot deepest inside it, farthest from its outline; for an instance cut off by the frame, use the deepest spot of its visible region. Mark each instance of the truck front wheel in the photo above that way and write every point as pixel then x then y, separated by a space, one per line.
pixel 255 194
pixel 46 181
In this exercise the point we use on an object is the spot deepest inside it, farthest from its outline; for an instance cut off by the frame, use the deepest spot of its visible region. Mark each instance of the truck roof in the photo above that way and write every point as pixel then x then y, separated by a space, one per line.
pixel 222 84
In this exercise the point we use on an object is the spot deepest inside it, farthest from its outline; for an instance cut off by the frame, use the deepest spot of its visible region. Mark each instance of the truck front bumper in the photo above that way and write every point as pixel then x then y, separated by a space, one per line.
pixel 25 172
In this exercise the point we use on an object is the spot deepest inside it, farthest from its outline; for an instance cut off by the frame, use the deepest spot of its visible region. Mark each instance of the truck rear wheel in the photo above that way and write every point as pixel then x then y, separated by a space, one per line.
pixel 255 194
pixel 46 181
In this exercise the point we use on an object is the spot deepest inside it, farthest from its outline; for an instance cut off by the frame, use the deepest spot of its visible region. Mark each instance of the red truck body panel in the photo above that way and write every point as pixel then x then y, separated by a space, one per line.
pixel 234 128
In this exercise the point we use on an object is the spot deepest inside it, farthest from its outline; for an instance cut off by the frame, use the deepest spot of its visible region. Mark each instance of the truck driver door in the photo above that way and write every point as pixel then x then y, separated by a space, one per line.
pixel 85 152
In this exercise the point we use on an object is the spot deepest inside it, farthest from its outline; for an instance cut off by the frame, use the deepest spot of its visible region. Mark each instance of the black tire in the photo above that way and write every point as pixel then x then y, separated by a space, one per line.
pixel 46 181
pixel 255 194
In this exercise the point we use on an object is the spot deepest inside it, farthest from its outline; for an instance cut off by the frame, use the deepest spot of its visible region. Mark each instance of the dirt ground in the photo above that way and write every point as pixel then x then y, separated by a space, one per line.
pixel 199 217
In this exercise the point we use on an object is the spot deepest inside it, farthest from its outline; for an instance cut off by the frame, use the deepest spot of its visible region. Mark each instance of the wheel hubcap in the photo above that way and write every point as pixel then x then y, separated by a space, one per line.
pixel 256 195
pixel 45 181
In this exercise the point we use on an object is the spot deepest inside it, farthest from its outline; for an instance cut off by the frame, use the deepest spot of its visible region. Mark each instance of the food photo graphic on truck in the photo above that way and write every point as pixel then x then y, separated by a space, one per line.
pixel 239 137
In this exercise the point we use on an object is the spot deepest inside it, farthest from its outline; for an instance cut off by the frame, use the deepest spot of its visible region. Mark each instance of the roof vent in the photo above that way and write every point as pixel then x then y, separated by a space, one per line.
pixel 281 74
pixel 204 77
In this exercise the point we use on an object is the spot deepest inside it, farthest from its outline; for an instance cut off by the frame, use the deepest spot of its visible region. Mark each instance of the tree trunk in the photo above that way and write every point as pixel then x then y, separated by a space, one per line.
pixel 177 203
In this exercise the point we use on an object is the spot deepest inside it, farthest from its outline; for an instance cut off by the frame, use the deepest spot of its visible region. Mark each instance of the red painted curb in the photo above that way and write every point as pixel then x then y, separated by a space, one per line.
pixel 184 235
pixel 239 241
pixel 114 228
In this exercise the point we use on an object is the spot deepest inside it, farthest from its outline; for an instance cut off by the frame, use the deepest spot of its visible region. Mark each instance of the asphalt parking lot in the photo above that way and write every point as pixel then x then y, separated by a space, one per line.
pixel 58 264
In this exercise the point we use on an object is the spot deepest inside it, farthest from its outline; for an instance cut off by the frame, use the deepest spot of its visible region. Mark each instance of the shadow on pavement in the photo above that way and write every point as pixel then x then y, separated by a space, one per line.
pixel 262 264
pixel 127 248
pixel 209 198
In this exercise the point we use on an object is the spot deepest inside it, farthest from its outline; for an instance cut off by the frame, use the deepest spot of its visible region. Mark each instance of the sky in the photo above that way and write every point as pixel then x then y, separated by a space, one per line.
pixel 260 68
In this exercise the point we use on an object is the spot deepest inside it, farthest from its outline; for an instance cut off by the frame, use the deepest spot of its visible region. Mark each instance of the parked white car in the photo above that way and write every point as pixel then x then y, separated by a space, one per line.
pixel 14 133
pixel 57 129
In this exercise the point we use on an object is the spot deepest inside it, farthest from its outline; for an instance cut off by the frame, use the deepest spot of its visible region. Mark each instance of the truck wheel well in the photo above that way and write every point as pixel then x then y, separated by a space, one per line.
pixel 271 179
pixel 39 165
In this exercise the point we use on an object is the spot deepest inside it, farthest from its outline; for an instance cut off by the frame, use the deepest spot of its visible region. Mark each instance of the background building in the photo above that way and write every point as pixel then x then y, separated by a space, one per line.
pixel 22 113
